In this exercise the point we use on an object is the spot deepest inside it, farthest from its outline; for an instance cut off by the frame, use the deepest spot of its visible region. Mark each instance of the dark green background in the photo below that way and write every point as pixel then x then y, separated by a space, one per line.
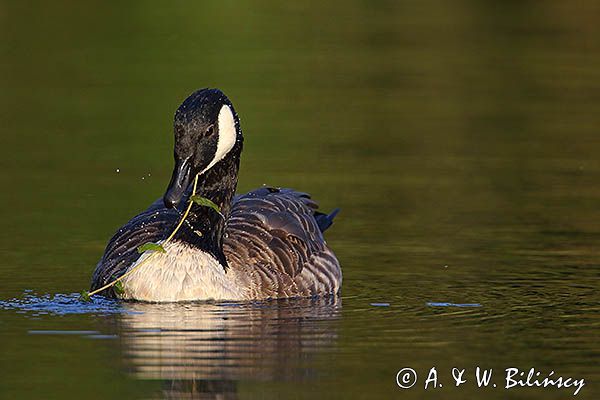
pixel 461 140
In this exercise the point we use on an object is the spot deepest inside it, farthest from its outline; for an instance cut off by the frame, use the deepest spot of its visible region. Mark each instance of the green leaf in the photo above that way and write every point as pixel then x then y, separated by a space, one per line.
pixel 85 296
pixel 151 247
pixel 119 288
pixel 203 201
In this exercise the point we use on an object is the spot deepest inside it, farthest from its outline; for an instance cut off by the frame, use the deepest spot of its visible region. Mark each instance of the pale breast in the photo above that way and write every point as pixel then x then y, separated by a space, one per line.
pixel 183 273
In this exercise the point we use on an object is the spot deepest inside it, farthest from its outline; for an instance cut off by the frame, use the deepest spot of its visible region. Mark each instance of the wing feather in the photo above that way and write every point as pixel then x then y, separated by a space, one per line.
pixel 152 225
pixel 273 235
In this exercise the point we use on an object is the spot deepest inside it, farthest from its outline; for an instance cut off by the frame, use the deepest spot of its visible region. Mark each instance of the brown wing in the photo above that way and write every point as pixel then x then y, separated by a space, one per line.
pixel 273 236
pixel 152 225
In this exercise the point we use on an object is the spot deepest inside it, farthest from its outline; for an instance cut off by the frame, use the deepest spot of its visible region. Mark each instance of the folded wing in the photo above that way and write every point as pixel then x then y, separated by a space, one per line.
pixel 273 235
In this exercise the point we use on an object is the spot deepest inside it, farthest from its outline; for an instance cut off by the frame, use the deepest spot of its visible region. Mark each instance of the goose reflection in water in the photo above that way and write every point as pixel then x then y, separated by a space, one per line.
pixel 202 350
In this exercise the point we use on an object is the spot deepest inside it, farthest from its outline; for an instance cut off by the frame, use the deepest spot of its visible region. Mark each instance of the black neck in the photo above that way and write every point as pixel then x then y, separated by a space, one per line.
pixel 204 227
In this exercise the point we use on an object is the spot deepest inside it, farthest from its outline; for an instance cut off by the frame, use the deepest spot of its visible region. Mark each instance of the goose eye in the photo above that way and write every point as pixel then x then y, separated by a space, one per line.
pixel 209 131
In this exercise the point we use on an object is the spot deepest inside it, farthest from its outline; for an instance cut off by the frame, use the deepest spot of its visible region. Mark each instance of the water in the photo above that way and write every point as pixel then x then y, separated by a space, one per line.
pixel 459 139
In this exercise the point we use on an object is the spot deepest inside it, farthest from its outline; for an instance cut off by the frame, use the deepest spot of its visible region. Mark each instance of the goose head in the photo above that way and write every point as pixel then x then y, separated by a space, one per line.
pixel 206 129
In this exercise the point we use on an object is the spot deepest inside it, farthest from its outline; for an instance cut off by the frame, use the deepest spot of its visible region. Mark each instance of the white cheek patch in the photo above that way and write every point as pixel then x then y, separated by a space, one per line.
pixel 227 136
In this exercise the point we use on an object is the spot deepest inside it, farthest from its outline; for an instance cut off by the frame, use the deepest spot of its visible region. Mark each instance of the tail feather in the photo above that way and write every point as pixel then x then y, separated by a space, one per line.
pixel 325 220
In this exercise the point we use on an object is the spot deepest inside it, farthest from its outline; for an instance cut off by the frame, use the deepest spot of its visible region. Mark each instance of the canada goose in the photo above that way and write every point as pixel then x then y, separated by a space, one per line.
pixel 265 244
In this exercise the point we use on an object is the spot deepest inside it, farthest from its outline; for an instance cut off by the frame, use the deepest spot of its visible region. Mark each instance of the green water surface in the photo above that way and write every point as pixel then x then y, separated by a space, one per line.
pixel 461 141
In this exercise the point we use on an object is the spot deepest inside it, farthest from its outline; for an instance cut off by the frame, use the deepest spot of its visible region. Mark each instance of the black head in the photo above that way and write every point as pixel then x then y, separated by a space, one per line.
pixel 206 129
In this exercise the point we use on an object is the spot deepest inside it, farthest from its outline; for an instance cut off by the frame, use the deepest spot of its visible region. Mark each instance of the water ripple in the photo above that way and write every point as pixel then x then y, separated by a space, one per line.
pixel 61 304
